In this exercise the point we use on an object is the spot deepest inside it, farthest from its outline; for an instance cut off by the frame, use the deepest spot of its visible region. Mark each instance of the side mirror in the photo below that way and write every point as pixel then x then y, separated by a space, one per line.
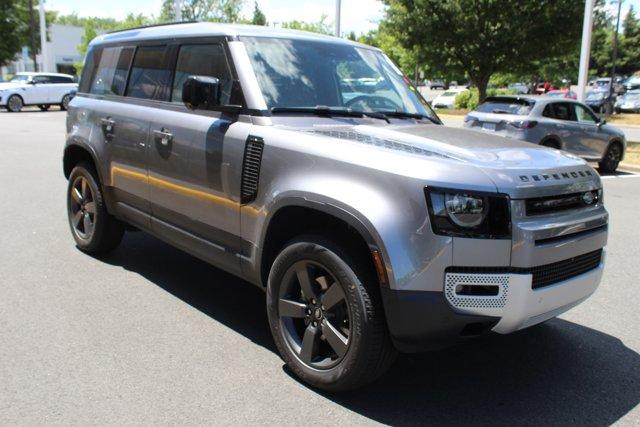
pixel 602 122
pixel 201 92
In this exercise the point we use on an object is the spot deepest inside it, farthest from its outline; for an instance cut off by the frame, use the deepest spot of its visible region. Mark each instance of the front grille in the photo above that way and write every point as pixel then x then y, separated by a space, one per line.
pixel 549 274
pixel 543 275
pixel 546 205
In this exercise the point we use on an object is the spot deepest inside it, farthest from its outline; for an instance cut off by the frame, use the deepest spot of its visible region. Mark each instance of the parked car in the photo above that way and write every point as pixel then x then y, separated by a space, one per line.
pixel 559 123
pixel 437 84
pixel 41 89
pixel 604 83
pixel 632 83
pixel 544 87
pixel 448 98
pixel 597 100
pixel 562 93
pixel 629 102
pixel 520 88
pixel 370 226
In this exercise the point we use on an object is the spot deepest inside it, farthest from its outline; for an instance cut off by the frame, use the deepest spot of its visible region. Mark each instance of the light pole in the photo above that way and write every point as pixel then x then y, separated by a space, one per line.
pixel 177 7
pixel 615 58
pixel 44 54
pixel 585 50
pixel 338 7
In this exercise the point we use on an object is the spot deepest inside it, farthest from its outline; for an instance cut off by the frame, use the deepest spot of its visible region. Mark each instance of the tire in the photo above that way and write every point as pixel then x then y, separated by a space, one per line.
pixel 551 143
pixel 14 104
pixel 64 104
pixel 353 312
pixel 611 159
pixel 44 107
pixel 93 228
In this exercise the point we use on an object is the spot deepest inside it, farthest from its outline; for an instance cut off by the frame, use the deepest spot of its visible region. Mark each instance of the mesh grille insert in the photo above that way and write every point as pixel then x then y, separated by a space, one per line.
pixel 251 169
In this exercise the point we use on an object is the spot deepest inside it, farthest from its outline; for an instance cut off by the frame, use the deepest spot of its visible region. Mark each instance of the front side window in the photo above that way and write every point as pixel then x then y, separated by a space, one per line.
pixel 296 73
pixel 41 79
pixel 583 115
pixel 202 60
pixel 150 77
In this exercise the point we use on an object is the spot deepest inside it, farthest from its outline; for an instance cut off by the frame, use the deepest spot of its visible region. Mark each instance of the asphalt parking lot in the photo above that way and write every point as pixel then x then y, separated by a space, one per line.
pixel 150 335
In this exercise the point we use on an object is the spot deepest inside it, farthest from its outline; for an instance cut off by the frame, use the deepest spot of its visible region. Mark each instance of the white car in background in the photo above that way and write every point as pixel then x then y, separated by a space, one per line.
pixel 448 98
pixel 41 89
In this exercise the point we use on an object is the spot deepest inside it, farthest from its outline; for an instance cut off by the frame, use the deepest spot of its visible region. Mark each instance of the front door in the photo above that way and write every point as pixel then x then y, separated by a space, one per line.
pixel 193 157
pixel 38 93
pixel 593 142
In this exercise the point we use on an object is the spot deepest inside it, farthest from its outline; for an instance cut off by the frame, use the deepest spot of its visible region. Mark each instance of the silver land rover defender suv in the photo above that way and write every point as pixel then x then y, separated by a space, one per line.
pixel 309 166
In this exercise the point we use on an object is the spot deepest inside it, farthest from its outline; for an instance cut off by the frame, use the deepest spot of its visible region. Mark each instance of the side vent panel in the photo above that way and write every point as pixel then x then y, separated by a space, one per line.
pixel 251 169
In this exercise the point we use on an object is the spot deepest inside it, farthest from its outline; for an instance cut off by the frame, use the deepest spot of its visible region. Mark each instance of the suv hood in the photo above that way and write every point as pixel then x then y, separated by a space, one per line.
pixel 517 168
pixel 10 85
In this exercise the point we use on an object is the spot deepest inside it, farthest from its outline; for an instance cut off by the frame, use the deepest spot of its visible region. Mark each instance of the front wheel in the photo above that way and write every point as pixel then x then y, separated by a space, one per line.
pixel 15 104
pixel 93 228
pixel 611 159
pixel 326 315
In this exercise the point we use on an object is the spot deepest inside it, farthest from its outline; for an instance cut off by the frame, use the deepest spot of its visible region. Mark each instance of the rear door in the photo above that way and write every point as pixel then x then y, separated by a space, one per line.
pixel 191 156
pixel 123 128
pixel 58 88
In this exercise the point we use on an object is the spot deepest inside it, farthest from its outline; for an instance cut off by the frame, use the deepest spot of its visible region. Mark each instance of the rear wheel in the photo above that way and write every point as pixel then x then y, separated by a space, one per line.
pixel 43 107
pixel 326 315
pixel 65 102
pixel 551 143
pixel 94 230
pixel 14 104
pixel 611 159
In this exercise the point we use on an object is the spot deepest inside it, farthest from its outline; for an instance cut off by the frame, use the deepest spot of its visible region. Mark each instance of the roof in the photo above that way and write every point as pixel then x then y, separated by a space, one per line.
pixel 208 29
pixel 33 73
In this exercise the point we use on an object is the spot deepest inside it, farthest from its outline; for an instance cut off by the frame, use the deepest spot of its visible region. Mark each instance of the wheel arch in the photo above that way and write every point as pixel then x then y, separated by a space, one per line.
pixel 552 139
pixel 616 140
pixel 292 216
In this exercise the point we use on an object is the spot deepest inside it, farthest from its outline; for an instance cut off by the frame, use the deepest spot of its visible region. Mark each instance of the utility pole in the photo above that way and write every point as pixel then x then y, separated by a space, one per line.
pixel 177 7
pixel 615 58
pixel 585 50
pixel 44 54
pixel 338 11
pixel 32 27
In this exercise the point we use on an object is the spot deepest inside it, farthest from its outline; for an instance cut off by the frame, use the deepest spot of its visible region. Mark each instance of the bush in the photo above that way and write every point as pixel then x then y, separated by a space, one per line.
pixel 470 99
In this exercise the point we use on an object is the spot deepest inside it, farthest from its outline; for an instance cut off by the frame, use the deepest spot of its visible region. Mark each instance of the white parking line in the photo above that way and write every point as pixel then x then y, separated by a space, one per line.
pixel 629 175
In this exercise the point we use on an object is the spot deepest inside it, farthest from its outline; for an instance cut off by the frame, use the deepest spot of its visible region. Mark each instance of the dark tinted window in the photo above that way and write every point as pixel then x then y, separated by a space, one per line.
pixel 202 60
pixel 559 110
pixel 41 79
pixel 110 74
pixel 150 77
pixel 61 79
pixel 505 106
pixel 89 70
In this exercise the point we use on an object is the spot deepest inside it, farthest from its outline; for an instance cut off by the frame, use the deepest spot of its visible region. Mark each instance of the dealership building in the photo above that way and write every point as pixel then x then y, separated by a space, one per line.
pixel 62 48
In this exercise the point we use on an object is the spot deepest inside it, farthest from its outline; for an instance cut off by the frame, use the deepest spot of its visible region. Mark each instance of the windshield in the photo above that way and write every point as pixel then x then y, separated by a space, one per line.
pixel 19 78
pixel 308 74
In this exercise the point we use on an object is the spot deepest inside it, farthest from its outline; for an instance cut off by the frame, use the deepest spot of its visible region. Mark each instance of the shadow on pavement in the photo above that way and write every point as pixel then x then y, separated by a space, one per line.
pixel 557 373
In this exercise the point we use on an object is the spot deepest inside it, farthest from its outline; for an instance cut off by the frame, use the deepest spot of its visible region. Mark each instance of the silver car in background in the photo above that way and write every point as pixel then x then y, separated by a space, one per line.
pixel 563 124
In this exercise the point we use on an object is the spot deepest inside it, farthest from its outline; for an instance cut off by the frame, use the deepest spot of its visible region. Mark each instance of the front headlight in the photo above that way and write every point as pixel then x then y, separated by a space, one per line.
pixel 470 214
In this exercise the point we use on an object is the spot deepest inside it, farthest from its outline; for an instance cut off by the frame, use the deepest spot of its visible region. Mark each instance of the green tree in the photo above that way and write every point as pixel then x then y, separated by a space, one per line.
pixel 630 44
pixel 320 26
pixel 167 12
pixel 212 10
pixel 23 30
pixel 9 31
pixel 482 37
pixel 259 17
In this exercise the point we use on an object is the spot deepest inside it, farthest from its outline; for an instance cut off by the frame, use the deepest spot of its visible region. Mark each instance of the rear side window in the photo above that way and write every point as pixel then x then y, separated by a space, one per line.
pixel 202 60
pixel 110 75
pixel 61 79
pixel 505 106
pixel 150 77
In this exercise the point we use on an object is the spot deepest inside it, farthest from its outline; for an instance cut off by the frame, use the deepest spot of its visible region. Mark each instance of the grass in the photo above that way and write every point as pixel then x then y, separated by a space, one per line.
pixel 632 155
pixel 624 119
pixel 451 112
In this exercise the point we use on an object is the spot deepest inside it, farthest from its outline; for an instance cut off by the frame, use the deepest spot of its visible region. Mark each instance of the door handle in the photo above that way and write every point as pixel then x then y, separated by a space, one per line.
pixel 164 136
pixel 108 125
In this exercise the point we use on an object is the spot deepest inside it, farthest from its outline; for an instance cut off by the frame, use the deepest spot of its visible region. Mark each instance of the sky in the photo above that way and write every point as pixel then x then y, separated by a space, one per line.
pixel 357 15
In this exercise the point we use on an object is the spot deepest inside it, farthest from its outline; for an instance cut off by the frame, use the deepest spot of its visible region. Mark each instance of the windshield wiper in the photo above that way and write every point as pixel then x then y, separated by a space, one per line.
pixel 322 110
pixel 407 115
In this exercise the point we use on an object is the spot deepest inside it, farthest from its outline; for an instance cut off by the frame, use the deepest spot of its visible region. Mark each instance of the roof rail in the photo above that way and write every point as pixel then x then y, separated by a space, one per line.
pixel 151 26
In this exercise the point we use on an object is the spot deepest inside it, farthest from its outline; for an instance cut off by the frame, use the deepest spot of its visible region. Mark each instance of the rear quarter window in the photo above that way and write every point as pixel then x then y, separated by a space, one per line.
pixel 150 76
pixel 111 66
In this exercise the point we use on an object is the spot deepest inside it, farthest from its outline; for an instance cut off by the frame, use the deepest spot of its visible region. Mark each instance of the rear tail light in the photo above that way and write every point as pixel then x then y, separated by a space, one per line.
pixel 524 124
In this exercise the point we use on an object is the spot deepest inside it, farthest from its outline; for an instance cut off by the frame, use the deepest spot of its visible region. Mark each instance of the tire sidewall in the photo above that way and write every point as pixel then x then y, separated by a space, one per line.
pixel 9 103
pixel 64 107
pixel 322 252
pixel 83 170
